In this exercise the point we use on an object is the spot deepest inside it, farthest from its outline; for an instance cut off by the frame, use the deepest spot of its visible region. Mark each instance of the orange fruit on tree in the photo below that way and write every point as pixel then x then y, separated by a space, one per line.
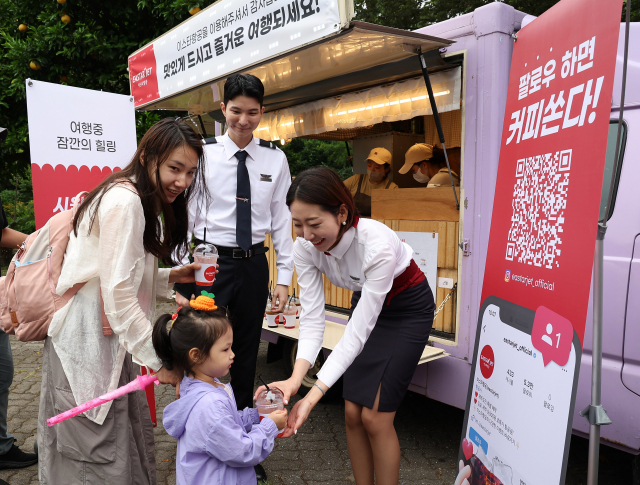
pixel 34 65
pixel 194 10
pixel 63 79
pixel 22 28
pixel 65 18
pixel 62 1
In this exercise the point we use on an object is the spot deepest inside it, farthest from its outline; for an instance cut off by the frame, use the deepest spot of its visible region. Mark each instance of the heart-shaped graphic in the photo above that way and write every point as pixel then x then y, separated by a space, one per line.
pixel 476 393
pixel 475 401
pixel 467 448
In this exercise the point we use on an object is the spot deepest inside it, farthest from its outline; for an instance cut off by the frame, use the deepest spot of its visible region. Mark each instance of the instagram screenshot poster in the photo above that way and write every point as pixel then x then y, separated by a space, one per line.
pixel 541 245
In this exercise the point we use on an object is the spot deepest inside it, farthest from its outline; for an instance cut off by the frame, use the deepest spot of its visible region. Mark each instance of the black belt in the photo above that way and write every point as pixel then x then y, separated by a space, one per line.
pixel 239 253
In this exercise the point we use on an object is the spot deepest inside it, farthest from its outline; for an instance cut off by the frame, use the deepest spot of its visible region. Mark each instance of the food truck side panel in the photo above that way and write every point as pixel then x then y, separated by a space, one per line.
pixel 485 35
pixel 621 279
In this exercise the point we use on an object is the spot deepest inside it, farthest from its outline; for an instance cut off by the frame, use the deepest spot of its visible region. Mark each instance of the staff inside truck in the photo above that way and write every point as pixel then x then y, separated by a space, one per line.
pixel 377 177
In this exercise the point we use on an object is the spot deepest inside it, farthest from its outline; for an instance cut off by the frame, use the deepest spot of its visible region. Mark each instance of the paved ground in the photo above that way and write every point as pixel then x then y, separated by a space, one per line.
pixel 428 431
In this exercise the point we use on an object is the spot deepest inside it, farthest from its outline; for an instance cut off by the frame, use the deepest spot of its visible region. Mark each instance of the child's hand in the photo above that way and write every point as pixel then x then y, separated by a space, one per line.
pixel 279 417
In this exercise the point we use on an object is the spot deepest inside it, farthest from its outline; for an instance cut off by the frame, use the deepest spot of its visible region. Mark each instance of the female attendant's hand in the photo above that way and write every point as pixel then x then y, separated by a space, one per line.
pixel 298 416
pixel 288 388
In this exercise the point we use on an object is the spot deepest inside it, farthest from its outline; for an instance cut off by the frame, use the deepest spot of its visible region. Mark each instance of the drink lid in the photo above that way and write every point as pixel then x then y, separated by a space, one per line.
pixel 205 249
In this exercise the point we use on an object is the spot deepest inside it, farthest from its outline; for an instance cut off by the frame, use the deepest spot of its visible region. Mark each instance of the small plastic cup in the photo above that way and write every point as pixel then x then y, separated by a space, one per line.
pixel 290 312
pixel 268 402
pixel 296 301
pixel 271 318
pixel 206 255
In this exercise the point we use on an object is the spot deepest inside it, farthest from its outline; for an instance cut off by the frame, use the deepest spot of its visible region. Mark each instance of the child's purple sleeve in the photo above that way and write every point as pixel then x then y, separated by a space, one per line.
pixel 231 444
pixel 249 417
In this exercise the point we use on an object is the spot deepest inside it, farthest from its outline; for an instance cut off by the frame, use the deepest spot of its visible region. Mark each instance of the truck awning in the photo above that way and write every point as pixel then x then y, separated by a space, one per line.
pixel 360 56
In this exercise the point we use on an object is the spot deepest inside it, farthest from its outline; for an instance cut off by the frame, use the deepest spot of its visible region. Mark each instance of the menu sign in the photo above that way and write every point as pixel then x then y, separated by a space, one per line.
pixel 539 259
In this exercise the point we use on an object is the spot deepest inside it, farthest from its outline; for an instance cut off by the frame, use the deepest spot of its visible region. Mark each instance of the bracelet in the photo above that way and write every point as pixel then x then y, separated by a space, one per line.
pixel 321 390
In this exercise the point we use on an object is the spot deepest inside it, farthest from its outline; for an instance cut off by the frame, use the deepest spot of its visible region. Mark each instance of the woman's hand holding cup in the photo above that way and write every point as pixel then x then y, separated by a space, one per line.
pixel 288 388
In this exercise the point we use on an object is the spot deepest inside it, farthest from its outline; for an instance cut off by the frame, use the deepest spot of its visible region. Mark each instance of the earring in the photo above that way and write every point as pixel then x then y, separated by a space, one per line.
pixel 344 223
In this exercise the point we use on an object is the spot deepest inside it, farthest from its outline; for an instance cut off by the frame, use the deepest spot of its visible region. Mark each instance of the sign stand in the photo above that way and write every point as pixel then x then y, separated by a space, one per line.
pixel 595 413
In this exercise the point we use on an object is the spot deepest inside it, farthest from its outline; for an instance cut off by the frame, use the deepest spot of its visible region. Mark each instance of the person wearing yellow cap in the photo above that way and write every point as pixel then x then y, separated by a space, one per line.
pixel 428 166
pixel 377 177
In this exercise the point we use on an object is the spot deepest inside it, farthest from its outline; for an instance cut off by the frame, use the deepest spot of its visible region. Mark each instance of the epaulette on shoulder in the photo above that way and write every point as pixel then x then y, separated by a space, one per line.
pixel 266 144
pixel 209 141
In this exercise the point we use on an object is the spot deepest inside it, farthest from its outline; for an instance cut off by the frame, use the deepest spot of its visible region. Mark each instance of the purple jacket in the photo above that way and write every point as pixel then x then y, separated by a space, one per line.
pixel 217 445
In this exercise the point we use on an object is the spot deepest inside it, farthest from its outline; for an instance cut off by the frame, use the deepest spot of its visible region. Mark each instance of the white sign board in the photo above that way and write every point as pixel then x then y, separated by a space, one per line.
pixel 425 253
pixel 224 38
pixel 77 137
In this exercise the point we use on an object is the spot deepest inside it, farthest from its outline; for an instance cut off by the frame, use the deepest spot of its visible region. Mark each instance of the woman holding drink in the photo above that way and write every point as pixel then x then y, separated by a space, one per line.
pixel 391 317
pixel 96 341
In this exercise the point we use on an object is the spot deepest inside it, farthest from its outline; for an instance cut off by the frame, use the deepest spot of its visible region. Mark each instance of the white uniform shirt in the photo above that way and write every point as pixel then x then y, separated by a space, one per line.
pixel 270 180
pixel 367 258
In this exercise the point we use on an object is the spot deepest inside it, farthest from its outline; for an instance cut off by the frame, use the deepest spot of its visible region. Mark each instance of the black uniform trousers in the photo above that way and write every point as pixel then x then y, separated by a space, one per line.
pixel 242 286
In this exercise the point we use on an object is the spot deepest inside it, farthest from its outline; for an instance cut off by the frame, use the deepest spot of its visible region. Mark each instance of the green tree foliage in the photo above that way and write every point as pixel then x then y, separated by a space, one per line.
pixel 303 154
pixel 90 51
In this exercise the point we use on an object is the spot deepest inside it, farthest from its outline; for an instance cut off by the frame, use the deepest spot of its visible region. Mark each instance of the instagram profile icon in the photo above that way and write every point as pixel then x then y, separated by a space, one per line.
pixel 507 275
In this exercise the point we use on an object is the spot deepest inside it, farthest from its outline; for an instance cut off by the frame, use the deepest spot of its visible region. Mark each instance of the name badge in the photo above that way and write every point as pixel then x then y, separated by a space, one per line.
pixel 265 177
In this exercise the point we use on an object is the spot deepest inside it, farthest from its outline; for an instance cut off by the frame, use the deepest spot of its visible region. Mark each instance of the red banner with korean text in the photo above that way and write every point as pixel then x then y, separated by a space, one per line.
pixel 531 324
pixel 552 155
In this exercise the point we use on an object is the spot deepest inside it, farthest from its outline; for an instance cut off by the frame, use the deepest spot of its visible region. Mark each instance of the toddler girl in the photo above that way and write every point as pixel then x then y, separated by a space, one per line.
pixel 216 443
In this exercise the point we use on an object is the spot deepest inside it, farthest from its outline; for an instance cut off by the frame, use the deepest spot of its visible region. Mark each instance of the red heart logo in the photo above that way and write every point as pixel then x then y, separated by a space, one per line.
pixel 467 448
pixel 476 393
pixel 475 401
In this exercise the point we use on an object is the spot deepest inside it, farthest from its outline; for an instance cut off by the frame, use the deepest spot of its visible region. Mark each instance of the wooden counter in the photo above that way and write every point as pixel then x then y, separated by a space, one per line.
pixel 414 210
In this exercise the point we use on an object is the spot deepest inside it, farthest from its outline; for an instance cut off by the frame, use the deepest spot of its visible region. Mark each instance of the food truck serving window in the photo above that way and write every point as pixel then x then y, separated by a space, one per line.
pixel 392 102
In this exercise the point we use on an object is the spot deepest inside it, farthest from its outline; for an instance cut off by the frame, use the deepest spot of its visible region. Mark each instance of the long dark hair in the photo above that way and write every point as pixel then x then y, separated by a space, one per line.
pixel 156 146
pixel 322 186
pixel 197 329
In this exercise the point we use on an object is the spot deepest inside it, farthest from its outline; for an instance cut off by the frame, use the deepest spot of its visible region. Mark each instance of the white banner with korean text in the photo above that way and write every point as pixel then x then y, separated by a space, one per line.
pixel 77 137
pixel 226 37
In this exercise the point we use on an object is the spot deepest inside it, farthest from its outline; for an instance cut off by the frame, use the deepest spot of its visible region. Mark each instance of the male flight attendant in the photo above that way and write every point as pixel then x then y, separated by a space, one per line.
pixel 247 179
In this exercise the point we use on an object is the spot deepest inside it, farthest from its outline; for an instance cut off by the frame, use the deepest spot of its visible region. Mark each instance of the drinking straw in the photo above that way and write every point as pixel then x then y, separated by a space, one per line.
pixel 265 384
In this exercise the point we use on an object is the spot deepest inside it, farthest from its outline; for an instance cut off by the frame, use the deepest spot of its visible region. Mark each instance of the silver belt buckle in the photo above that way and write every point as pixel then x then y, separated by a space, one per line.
pixel 241 252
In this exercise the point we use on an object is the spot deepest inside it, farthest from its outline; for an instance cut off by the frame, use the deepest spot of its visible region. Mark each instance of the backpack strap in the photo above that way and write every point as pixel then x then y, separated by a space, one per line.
pixel 209 141
pixel 266 144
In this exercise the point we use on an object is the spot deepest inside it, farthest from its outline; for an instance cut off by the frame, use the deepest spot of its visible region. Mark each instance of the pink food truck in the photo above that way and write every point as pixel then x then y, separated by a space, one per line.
pixel 362 84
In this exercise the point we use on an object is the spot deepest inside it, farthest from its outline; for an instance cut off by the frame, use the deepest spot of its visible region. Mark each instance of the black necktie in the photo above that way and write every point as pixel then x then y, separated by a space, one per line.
pixel 243 203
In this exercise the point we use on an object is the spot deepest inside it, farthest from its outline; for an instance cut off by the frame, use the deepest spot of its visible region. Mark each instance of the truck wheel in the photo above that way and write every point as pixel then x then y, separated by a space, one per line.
pixel 290 349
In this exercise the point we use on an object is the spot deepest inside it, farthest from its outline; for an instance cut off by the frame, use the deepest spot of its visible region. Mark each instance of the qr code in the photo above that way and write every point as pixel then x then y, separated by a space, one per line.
pixel 539 202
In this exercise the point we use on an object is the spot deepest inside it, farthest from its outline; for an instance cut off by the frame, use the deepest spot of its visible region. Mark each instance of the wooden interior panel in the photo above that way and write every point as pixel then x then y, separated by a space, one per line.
pixel 447 268
pixel 421 204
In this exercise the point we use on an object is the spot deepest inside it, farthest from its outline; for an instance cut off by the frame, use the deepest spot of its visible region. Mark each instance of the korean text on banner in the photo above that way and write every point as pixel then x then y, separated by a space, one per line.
pixel 552 155
pixel 537 276
pixel 226 37
pixel 77 137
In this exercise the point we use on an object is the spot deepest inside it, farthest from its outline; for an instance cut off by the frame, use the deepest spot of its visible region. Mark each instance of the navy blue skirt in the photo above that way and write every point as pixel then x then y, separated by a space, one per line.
pixel 391 354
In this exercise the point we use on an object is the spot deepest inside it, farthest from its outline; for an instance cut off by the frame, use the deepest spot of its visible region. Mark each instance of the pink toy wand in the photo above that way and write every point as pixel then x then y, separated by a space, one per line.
pixel 139 384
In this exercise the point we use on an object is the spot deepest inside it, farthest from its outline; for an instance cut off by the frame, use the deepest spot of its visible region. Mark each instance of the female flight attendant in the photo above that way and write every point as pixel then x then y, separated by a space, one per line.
pixel 391 317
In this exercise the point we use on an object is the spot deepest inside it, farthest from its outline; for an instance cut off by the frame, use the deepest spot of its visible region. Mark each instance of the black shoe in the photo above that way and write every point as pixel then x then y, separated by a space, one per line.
pixel 16 458
pixel 2 482
pixel 261 475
